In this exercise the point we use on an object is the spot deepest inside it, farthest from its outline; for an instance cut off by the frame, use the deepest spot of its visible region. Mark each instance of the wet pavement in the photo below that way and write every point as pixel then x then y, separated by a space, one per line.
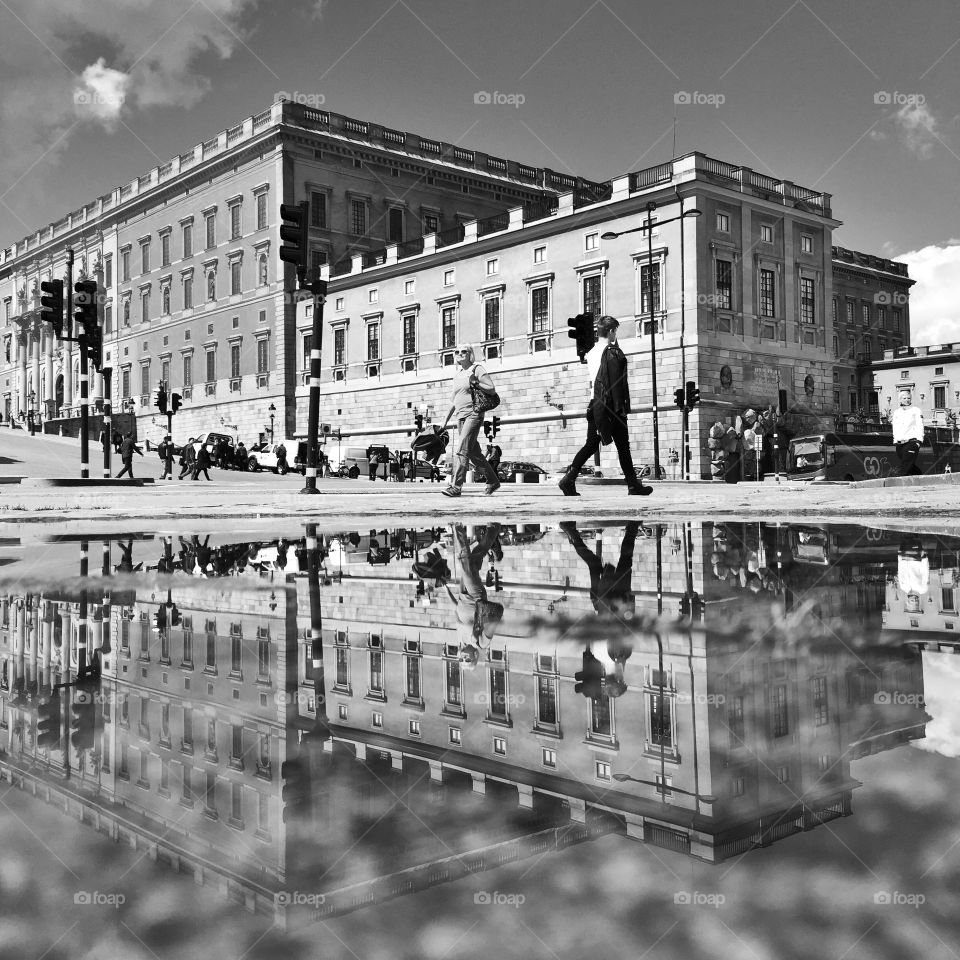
pixel 551 738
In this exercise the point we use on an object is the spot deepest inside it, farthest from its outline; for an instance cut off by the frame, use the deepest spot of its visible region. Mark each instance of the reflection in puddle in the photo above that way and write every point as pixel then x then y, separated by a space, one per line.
pixel 317 724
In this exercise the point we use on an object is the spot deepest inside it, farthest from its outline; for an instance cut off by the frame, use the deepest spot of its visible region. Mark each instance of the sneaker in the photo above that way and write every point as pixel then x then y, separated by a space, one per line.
pixel 450 492
pixel 640 490
pixel 492 488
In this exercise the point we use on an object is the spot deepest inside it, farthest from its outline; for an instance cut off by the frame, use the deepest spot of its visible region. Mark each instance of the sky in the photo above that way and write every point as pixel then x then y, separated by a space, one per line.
pixel 858 99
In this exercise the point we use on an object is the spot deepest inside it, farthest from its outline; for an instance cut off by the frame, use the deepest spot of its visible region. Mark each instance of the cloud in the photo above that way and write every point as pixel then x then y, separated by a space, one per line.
pixel 101 93
pixel 917 127
pixel 934 308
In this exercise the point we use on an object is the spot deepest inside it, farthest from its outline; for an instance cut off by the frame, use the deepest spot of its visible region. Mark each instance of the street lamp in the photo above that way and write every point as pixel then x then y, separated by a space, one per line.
pixel 647 226
pixel 273 411
pixel 32 412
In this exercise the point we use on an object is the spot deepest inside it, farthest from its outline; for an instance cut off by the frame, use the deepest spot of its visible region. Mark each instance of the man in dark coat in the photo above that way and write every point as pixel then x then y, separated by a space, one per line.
pixel 127 449
pixel 607 411
pixel 188 457
pixel 202 464
pixel 165 451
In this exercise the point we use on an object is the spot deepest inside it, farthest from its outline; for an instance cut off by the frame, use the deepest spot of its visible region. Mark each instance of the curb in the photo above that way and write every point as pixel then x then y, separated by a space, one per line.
pixel 939 480
pixel 77 482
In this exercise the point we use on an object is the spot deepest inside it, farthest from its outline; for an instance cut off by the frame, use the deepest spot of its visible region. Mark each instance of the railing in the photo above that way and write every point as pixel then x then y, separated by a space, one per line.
pixel 355 126
pixel 465 156
pixel 262 120
pixel 652 175
pixel 409 248
pixel 394 136
pixel 234 133
pixel 493 224
pixel 496 163
pixel 125 191
pixel 762 182
pixel 374 258
pixel 446 237
pixel 143 182
pixel 527 173
pixel 431 146
pixel 726 171
pixel 584 196
pixel 539 209
pixel 209 145
pixel 316 116
pixel 562 181
pixel 342 268
pixel 164 169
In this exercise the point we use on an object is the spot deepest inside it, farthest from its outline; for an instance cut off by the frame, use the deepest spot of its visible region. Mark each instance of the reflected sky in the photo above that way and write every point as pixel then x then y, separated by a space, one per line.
pixel 409 742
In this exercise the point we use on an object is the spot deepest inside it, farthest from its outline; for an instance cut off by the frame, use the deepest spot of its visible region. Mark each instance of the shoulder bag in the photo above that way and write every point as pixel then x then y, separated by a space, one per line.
pixel 483 400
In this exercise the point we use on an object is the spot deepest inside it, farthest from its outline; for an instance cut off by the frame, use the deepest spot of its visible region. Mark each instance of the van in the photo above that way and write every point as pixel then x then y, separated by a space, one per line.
pixel 355 462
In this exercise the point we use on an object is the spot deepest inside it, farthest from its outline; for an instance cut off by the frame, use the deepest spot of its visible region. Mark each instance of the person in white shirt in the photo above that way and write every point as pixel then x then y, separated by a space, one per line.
pixel 907 434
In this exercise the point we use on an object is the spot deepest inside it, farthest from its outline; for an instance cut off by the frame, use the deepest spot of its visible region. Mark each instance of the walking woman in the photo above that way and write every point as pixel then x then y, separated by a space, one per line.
pixel 469 422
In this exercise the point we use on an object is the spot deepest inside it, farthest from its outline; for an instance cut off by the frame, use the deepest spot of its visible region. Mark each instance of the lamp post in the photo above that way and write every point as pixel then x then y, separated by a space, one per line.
pixel 647 226
pixel 273 411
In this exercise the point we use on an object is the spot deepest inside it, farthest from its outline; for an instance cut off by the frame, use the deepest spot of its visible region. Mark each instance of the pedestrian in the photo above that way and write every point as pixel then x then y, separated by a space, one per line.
pixel 907 423
pixel 281 452
pixel 127 449
pixel 117 441
pixel 494 453
pixel 188 457
pixel 202 462
pixel 165 450
pixel 607 411
pixel 468 378
pixel 241 456
pixel 373 458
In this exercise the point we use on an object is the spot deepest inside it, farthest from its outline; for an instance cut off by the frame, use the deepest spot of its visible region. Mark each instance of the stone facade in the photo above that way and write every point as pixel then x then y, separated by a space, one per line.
pixel 932 373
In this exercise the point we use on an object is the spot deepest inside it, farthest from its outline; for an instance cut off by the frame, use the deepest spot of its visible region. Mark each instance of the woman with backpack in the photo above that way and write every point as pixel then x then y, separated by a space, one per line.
pixel 473 395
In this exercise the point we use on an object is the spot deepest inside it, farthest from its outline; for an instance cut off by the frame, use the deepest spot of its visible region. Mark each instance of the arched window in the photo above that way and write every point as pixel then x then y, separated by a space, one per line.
pixel 211 286
pixel 262 270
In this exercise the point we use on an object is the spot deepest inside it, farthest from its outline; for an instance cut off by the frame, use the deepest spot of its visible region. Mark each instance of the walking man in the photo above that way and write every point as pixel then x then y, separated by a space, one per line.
pixel 469 422
pixel 202 463
pixel 607 411
pixel 282 466
pixel 187 458
pixel 907 434
pixel 127 449
pixel 166 455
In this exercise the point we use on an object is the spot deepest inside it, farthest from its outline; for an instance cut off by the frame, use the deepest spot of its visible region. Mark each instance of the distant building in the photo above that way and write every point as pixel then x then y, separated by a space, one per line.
pixel 932 374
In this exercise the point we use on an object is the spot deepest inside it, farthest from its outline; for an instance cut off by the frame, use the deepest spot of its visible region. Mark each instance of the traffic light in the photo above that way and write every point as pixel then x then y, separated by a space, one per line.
pixel 95 346
pixel 84 719
pixel 418 421
pixel 493 579
pixel 590 677
pixel 50 725
pixel 581 330
pixel 175 618
pixel 85 316
pixel 175 401
pixel 693 394
pixel 679 398
pixel 294 233
pixel 160 619
pixel 781 401
pixel 494 427
pixel 161 402
pixel 51 305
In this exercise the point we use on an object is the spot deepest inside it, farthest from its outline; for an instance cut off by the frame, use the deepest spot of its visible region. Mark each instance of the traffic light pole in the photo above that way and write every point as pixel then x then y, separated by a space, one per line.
pixel 84 421
pixel 107 422
pixel 168 463
pixel 319 290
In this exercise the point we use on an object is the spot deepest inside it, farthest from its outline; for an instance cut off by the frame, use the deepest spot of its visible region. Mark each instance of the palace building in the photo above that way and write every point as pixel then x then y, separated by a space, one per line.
pixel 426 245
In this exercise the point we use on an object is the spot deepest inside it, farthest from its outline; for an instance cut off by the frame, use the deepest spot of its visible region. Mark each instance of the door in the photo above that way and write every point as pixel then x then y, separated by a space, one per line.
pixel 58 402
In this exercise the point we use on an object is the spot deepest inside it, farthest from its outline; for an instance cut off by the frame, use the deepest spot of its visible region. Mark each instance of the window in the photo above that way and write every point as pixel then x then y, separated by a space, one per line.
pixel 212 285
pixel 548 757
pixel 868 346
pixel 939 397
pixel 263 271
pixel 881 316
pixel 343 667
pixel 540 309
pixel 807 304
pixel 413 678
pixel 850 309
pixel 107 277
pixel 767 293
pixel 210 222
pixel 448 328
pixel 409 333
pixel 836 346
pixel 307 347
pixel 591 242
pixel 376 719
pixel 724 271
pixel 431 223
pixel 835 310
pixel 234 360
pixel 500 746
pixel 261 211
pixel 235 287
pixel 539 254
pixel 373 341
pixel 664 784
pixel 806 243
pixel 735 720
pixel 165 301
pixel 491 318
pixel 592 295
pixel 546 700
pixel 376 671
pixel 896 319
pixel 124 265
pixel 865 314
pixel 455 735
pixel 602 769
pixel 187 293
pixel 723 222
pixel 188 370
pixel 211 366
pixel 165 371
pixel 235 229
pixel 821 711
pixel 358 217
pixel 107 320
pixel 497 705
pixel 187 240
pixel 946 599
pixel 766 233
pixel 649 287
pixel 882 344
pixel 395 225
pixel 448 277
pixel 125 384
pixel 409 287
pixel 165 250
pixel 373 295
pixel 414 727
pixel 263 355
pixel 779 718
pixel 144 306
pixel 454 679
pixel 661 727
pixel 340 346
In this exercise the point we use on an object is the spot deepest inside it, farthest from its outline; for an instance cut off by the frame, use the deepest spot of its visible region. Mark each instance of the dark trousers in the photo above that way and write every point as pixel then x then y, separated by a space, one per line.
pixel 618 430
pixel 907 454
pixel 198 470
pixel 127 468
pixel 185 469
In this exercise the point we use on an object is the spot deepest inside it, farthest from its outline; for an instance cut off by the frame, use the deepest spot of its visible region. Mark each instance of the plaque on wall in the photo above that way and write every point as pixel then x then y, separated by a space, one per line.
pixel 809 385
pixel 726 377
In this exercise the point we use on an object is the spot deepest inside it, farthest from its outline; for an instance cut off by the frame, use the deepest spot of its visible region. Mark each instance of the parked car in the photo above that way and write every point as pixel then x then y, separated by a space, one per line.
pixel 508 469
pixel 263 456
